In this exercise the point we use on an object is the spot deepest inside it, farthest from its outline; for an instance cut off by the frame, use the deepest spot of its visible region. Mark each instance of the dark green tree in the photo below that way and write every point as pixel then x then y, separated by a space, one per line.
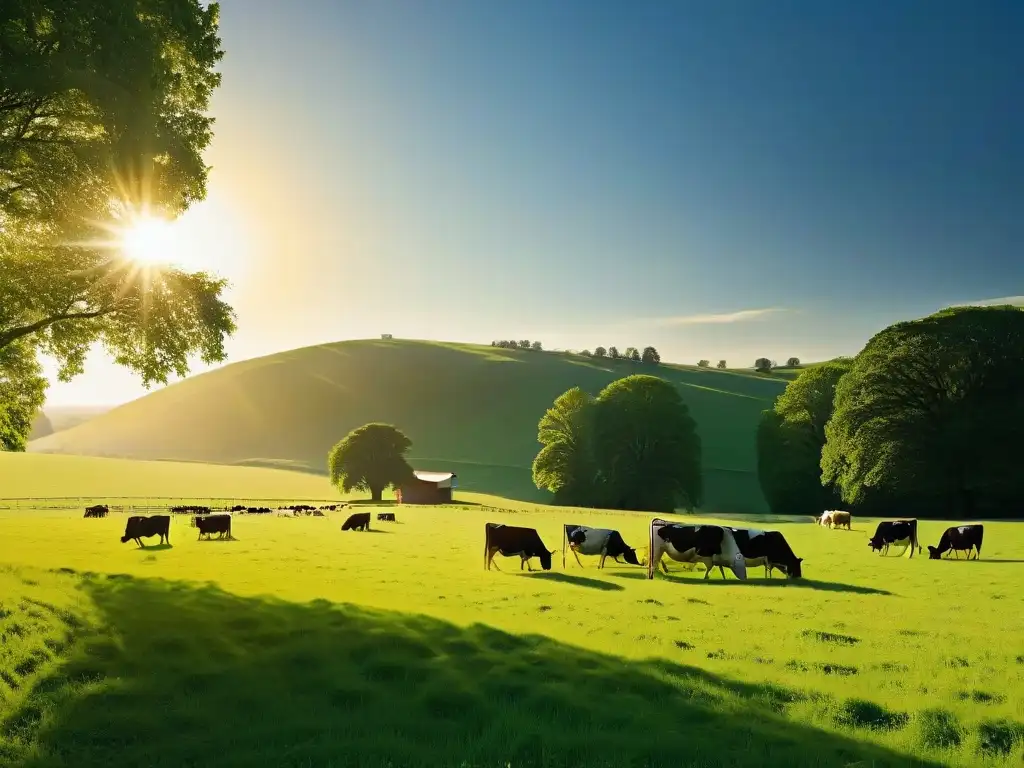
pixel 370 458
pixel 632 354
pixel 930 418
pixel 103 116
pixel 650 356
pixel 22 391
pixel 600 352
pixel 790 439
pixel 565 464
pixel 646 445
pixel 721 365
pixel 613 353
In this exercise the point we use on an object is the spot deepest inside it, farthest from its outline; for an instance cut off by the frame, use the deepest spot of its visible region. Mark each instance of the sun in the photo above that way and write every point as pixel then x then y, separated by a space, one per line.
pixel 151 241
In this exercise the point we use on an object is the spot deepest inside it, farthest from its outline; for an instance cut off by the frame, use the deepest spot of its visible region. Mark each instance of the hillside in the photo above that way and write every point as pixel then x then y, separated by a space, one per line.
pixel 469 409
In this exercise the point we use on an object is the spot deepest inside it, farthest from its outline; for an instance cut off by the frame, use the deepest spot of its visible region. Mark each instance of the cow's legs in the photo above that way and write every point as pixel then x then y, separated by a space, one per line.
pixel 600 564
pixel 577 556
pixel 722 571
pixel 490 559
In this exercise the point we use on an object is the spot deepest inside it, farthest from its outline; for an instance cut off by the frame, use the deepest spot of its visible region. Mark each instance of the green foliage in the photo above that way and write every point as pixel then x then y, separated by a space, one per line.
pixel 633 447
pixel 790 438
pixel 600 352
pixel 370 458
pixel 704 364
pixel 931 416
pixel 22 391
pixel 793 362
pixel 763 365
pixel 103 112
pixel 721 365
pixel 650 356
pixel 613 353
pixel 565 464
pixel 632 354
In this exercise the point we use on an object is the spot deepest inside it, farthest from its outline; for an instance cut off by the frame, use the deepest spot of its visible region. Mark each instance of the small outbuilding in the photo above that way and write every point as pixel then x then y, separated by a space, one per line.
pixel 428 488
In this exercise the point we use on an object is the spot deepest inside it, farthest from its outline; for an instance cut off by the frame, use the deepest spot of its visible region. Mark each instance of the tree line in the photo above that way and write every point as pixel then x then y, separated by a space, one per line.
pixel 649 355
pixel 927 420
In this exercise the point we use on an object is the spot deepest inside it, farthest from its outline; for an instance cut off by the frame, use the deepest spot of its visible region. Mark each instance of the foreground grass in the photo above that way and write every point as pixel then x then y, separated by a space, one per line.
pixel 297 644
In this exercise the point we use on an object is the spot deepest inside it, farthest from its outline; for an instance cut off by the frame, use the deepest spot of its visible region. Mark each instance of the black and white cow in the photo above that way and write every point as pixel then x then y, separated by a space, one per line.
pixel 959 539
pixel 710 545
pixel 769 549
pixel 902 533
pixel 598 541
pixel 509 541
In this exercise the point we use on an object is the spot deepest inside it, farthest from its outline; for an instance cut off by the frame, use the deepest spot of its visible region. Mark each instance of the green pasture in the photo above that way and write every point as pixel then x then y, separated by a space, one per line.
pixel 468 409
pixel 298 645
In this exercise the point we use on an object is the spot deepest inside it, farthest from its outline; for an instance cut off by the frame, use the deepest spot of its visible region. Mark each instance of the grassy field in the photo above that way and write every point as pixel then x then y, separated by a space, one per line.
pixel 299 645
pixel 468 409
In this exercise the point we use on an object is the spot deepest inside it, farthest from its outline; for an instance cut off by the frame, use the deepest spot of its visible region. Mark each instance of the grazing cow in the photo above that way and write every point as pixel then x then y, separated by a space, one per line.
pixel 510 541
pixel 961 538
pixel 710 545
pixel 210 524
pixel 767 548
pixel 358 521
pixel 388 517
pixel 97 510
pixel 902 533
pixel 139 527
pixel 825 519
pixel 598 541
pixel 841 519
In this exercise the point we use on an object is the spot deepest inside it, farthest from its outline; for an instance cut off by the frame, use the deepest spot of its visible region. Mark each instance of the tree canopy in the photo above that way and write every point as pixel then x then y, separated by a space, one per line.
pixel 370 458
pixel 930 418
pixel 634 446
pixel 790 438
pixel 103 117
pixel 22 390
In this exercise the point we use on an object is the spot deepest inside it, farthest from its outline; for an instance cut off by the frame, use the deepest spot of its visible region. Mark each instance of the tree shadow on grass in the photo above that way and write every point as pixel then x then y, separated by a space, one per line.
pixel 154 548
pixel 756 583
pixel 184 675
pixel 579 581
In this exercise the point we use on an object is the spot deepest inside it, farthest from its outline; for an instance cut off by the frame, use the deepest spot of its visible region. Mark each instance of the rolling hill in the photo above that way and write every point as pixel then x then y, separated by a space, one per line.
pixel 469 409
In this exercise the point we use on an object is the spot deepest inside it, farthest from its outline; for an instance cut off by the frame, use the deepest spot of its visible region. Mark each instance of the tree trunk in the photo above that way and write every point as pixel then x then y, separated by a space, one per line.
pixel 376 492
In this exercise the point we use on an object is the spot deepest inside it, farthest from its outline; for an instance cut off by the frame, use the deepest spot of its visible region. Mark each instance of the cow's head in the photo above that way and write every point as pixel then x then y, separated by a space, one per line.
pixel 739 566
pixel 934 554
pixel 545 559
pixel 124 539
pixel 875 544
pixel 795 570
pixel 630 556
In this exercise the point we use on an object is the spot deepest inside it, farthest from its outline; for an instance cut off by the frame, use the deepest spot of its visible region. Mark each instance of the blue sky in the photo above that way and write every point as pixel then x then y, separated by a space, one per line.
pixel 612 172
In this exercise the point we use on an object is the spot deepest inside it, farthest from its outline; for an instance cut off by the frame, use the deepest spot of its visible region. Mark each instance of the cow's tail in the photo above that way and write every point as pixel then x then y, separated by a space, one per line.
pixel 487 543
pixel 914 545
pixel 981 536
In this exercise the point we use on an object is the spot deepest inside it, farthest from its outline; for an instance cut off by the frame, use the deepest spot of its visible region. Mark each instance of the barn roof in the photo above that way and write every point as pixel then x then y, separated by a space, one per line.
pixel 433 477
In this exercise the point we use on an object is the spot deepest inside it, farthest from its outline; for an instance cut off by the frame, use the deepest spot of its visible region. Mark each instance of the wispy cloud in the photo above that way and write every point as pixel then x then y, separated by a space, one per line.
pixel 743 316
pixel 1017 301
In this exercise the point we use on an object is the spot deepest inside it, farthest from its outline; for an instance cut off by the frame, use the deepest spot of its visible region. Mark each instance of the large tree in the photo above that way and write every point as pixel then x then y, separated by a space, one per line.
pixel 103 117
pixel 565 464
pixel 22 390
pixel 930 418
pixel 647 447
pixel 790 439
pixel 635 446
pixel 370 458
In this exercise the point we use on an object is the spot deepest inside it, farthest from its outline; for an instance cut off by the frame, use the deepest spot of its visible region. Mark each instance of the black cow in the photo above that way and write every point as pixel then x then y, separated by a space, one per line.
pixel 139 527
pixel 902 533
pixel 388 517
pixel 767 548
pixel 710 545
pixel 211 524
pixel 598 541
pixel 510 541
pixel 97 510
pixel 357 521
pixel 959 539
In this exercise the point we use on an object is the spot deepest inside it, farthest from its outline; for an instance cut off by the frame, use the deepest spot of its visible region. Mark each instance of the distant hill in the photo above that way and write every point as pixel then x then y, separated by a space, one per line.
pixel 469 409
pixel 59 417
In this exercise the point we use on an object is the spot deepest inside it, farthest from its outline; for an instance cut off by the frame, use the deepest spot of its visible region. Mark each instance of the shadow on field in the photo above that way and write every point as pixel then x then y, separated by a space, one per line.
pixel 759 583
pixel 153 547
pixel 177 675
pixel 579 581
pixel 982 560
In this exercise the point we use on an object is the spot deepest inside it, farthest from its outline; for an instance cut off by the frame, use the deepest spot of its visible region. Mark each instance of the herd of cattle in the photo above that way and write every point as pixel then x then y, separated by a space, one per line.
pixel 709 545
